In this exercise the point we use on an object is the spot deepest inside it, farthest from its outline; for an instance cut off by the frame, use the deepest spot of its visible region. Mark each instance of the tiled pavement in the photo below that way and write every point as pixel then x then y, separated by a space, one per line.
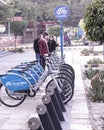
pixel 77 116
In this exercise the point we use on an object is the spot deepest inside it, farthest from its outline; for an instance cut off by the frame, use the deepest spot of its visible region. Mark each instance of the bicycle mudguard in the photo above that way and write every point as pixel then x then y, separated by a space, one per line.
pixel 24 74
pixel 38 68
pixel 14 82
pixel 33 73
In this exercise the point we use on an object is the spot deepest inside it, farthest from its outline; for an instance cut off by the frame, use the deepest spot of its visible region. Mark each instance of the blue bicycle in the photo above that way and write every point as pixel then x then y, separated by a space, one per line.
pixel 26 78
pixel 19 82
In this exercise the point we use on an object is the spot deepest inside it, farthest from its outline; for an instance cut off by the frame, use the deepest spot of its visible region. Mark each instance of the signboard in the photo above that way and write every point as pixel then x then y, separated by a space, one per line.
pixel 2 28
pixel 61 12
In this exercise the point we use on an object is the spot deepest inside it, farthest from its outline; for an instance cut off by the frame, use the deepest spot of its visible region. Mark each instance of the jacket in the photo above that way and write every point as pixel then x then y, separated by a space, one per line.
pixel 43 47
pixel 36 45
pixel 52 45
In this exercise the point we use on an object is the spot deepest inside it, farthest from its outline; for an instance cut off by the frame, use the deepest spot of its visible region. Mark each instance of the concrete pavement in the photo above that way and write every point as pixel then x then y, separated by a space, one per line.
pixel 77 116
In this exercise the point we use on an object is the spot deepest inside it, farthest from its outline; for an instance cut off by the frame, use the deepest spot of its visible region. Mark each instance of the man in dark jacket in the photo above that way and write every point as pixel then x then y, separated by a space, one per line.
pixel 52 44
pixel 36 47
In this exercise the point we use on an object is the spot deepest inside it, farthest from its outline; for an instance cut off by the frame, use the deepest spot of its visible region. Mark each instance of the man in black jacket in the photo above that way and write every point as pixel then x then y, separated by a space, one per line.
pixel 36 47
pixel 52 44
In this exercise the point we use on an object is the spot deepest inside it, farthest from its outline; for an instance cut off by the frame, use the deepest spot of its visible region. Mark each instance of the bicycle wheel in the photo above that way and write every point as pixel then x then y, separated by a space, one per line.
pixel 68 67
pixel 63 70
pixel 68 77
pixel 65 87
pixel 11 99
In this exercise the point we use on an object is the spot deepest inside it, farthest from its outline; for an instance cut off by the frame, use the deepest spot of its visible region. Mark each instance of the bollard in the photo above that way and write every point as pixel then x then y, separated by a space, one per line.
pixel 34 124
pixel 54 99
pixel 59 97
pixel 52 112
pixel 45 117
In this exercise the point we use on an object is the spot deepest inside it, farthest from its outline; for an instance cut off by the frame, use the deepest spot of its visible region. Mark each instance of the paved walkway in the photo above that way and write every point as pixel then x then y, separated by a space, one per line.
pixel 77 116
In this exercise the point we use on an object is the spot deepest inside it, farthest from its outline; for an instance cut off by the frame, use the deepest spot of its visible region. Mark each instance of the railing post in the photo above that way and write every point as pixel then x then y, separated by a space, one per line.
pixel 45 117
pixel 34 124
pixel 59 97
pixel 52 112
pixel 54 99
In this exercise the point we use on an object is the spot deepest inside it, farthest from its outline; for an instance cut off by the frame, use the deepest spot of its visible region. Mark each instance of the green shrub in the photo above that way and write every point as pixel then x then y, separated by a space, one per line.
pixel 90 73
pixel 96 91
pixel 95 61
pixel 20 50
pixel 88 51
pixel 85 51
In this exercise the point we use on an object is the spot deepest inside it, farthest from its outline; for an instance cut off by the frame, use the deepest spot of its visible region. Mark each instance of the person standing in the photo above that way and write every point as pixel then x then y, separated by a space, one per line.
pixel 43 48
pixel 52 44
pixel 36 47
pixel 67 39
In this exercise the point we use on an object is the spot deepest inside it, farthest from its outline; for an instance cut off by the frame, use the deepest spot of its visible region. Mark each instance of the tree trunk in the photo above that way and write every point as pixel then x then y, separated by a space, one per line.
pixel 15 45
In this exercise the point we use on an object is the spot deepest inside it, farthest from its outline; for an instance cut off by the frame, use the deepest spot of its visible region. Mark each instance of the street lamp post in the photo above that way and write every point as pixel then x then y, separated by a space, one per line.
pixel 8 27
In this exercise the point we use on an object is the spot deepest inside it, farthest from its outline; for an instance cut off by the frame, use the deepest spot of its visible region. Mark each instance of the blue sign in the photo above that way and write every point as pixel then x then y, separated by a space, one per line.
pixel 61 12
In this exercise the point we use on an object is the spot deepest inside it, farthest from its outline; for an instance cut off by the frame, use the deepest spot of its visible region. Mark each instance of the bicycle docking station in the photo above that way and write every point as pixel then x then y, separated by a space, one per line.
pixel 45 117
pixel 56 104
pixel 58 97
pixel 34 124
pixel 50 112
pixel 25 79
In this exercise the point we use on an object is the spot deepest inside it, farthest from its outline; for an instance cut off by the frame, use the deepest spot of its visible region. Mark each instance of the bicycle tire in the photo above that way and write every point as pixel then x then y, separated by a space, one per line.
pixel 69 67
pixel 65 87
pixel 70 93
pixel 63 70
pixel 68 77
pixel 9 100
pixel 66 68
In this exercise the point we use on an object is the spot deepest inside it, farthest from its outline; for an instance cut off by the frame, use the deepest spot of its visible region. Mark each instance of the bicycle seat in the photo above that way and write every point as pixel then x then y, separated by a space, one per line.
pixel 36 61
pixel 2 75
pixel 24 66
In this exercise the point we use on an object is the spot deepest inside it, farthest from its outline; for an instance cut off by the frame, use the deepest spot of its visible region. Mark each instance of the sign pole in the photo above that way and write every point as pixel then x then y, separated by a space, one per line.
pixel 61 12
pixel 61 38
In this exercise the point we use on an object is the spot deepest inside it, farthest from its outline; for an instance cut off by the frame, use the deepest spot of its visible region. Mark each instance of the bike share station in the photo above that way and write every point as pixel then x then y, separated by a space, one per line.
pixel 25 80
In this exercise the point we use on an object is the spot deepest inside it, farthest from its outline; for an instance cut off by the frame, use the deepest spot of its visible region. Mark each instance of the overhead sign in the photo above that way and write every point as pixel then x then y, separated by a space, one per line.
pixel 61 12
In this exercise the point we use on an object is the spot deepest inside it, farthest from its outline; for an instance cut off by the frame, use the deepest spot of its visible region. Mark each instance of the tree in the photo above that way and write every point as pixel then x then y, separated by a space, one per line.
pixel 55 30
pixel 43 10
pixel 77 10
pixel 46 8
pixel 17 28
pixel 94 21
pixel 26 9
pixel 5 13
